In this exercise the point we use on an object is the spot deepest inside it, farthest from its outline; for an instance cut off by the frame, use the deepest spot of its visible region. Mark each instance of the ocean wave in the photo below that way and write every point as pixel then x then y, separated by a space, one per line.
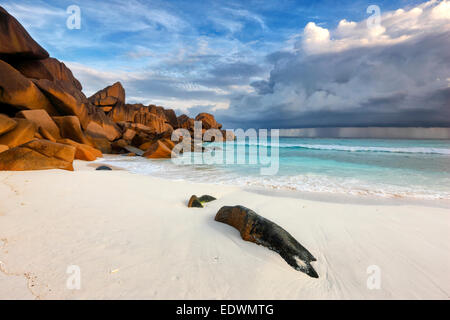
pixel 307 182
pixel 321 184
pixel 332 147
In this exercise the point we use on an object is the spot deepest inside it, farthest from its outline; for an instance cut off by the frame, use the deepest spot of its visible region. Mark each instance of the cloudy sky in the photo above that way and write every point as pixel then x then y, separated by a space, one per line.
pixel 271 64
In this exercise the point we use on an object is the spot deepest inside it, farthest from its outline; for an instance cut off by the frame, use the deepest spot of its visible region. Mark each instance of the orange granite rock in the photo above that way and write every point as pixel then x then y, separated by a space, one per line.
pixel 184 122
pixel 208 121
pixel 3 148
pixel 38 155
pixel 67 99
pixel 158 150
pixel 50 69
pixel 6 124
pixel 51 149
pixel 70 128
pixel 83 151
pixel 15 41
pixel 46 135
pixel 20 93
pixel 109 97
pixel 22 133
pixel 42 120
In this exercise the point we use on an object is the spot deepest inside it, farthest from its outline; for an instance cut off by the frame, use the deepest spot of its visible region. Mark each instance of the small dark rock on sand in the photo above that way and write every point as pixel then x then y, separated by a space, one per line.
pixel 206 199
pixel 194 203
pixel 103 168
pixel 262 231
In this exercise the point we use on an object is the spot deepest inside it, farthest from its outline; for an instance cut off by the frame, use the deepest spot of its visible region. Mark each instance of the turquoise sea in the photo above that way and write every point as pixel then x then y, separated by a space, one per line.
pixel 387 168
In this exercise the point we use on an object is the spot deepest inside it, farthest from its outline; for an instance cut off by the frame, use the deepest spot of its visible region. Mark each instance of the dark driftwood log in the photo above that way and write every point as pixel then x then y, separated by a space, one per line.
pixel 259 230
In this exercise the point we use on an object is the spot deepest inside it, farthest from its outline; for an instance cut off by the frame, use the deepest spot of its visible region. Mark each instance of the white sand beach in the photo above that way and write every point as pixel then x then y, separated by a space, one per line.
pixel 133 237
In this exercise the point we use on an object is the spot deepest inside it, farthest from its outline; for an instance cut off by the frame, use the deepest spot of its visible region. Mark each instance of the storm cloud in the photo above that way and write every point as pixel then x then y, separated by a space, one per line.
pixel 277 64
pixel 393 74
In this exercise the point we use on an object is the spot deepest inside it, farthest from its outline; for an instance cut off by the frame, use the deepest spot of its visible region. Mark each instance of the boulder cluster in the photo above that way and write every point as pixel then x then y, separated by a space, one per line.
pixel 46 121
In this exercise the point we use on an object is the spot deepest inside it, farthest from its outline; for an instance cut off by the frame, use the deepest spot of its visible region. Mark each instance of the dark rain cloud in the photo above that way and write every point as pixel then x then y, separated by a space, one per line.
pixel 405 84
